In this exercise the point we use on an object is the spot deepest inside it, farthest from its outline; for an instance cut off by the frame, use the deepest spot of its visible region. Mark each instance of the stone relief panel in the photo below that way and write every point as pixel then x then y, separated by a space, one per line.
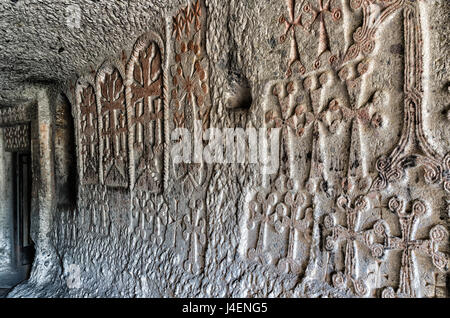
pixel 413 148
pixel 279 228
pixel 113 125
pixel 15 115
pixel 149 217
pixel 333 111
pixel 145 106
pixel 94 210
pixel 359 203
pixel 408 245
pixel 17 138
pixel 88 138
pixel 190 106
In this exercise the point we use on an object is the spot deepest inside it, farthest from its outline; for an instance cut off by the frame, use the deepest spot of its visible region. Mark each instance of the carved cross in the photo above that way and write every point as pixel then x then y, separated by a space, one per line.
pixel 318 115
pixel 148 217
pixel 100 215
pixel 196 15
pixel 291 23
pixel 288 214
pixel 178 23
pixel 408 244
pixel 159 214
pixel 113 112
pixel 262 213
pixel 285 117
pixel 358 117
pixel 189 79
pixel 318 14
pixel 174 220
pixel 352 236
pixel 140 220
pixel 89 133
pixel 146 92
pixel 195 229
pixel 88 109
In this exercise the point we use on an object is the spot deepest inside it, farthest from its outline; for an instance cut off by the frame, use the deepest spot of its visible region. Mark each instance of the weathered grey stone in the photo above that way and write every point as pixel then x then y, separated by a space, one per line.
pixel 358 207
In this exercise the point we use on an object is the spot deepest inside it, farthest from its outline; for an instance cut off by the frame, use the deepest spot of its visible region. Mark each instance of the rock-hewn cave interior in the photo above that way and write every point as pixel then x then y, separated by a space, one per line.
pixel 225 149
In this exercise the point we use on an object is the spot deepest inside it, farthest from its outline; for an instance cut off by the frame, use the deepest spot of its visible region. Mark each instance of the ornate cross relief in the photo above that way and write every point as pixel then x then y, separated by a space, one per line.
pixel 318 12
pixel 291 23
pixel 283 214
pixel 66 232
pixel 315 18
pixel 195 233
pixel 145 108
pixel 190 99
pixel 413 148
pixel 409 245
pixel 354 237
pixel 94 210
pixel 148 217
pixel 190 106
pixel 87 120
pixel 113 125
pixel 326 98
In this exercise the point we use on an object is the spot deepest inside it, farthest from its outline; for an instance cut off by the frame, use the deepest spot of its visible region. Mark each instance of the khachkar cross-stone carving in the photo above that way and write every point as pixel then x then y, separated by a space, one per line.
pixel 114 129
pixel 146 115
pixel 353 237
pixel 261 213
pixel 413 148
pixel 286 117
pixel 189 90
pixel 289 219
pixel 190 93
pixel 149 217
pixel 195 234
pixel 318 11
pixel 321 118
pixel 291 23
pixel 359 116
pixel 100 220
pixel 409 245
pixel 66 231
pixel 190 106
pixel 89 144
pixel 281 211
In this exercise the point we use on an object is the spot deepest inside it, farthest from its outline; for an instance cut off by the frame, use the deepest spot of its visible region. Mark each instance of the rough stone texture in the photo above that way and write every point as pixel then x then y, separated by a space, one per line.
pixel 359 206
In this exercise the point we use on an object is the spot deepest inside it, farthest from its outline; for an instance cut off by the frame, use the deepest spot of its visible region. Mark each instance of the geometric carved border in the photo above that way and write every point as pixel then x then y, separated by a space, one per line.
pixel 15 115
pixel 17 138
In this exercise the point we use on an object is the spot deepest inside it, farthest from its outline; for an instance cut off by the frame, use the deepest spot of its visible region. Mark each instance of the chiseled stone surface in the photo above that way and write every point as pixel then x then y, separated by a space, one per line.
pixel 359 205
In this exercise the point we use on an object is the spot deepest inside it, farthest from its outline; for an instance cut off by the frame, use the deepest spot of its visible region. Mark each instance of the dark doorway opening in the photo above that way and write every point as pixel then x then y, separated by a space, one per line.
pixel 17 247
pixel 22 210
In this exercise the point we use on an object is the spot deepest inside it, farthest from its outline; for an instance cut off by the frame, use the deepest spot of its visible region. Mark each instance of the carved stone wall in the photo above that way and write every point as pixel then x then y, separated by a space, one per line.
pixel 358 206
pixel 17 138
